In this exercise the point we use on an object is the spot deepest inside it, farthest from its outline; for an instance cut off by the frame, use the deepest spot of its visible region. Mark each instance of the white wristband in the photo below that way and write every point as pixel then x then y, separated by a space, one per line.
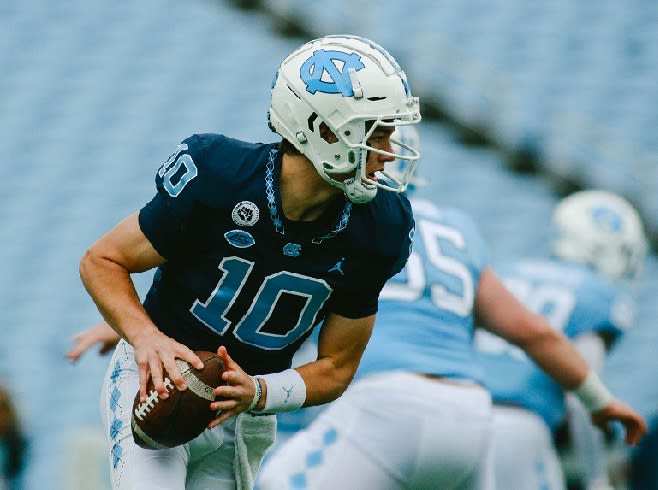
pixel 286 391
pixel 592 393
pixel 257 394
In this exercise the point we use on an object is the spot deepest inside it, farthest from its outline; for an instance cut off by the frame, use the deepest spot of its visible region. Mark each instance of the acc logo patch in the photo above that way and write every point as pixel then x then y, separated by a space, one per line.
pixel 239 238
pixel 327 71
pixel 245 213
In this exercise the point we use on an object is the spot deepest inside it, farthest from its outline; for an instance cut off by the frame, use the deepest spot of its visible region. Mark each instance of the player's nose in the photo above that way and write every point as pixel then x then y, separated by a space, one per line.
pixel 388 147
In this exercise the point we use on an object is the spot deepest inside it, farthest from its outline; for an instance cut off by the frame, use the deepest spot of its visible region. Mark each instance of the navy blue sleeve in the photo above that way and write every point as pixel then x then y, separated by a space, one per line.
pixel 173 219
pixel 388 247
pixel 407 235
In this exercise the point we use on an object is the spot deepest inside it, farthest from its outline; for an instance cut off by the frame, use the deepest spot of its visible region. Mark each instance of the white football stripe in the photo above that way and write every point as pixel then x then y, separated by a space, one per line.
pixel 198 387
pixel 145 437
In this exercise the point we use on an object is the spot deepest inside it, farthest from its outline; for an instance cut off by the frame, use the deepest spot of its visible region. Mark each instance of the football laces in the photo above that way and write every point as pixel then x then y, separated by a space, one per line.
pixel 152 398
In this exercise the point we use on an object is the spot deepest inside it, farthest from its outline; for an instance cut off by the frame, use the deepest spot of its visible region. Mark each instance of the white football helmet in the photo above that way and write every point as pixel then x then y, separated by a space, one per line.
pixel 343 82
pixel 601 229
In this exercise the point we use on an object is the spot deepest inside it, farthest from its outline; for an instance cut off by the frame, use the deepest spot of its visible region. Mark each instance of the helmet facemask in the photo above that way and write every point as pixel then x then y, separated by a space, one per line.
pixel 402 172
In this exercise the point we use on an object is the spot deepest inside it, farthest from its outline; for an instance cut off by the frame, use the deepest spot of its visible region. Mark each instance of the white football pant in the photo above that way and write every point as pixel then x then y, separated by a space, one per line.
pixel 391 431
pixel 525 456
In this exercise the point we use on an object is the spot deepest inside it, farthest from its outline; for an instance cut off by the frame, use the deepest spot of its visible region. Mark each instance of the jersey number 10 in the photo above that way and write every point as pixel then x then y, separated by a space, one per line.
pixel 250 329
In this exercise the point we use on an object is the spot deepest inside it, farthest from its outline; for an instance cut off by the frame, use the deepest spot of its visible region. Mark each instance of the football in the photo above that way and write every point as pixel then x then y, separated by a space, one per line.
pixel 160 424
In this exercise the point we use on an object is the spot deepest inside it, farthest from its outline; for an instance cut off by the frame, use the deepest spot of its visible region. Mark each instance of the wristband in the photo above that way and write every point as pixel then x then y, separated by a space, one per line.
pixel 286 391
pixel 257 394
pixel 592 393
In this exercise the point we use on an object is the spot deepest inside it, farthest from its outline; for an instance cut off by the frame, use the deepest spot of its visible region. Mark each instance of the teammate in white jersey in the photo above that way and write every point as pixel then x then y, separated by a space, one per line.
pixel 597 240
pixel 418 416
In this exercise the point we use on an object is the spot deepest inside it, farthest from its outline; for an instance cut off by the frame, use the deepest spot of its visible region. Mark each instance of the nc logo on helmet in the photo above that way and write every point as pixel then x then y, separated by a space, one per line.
pixel 327 72
pixel 608 219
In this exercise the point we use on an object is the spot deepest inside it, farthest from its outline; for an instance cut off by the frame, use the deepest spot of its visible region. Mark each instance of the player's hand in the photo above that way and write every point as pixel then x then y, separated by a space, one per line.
pixel 236 395
pixel 155 355
pixel 634 424
pixel 100 334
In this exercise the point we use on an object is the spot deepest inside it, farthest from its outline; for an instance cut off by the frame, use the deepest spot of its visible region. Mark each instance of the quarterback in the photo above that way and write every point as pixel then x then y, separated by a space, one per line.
pixel 255 245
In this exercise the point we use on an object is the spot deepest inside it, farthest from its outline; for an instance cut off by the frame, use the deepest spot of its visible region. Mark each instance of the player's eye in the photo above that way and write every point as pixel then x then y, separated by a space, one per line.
pixel 376 139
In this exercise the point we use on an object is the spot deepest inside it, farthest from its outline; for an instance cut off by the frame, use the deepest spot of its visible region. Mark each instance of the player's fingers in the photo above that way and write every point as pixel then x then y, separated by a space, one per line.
pixel 635 430
pixel 226 398
pixel 81 337
pixel 240 395
pixel 174 374
pixel 143 380
pixel 222 392
pixel 72 357
pixel 224 405
pixel 81 343
pixel 233 378
pixel 228 362
pixel 155 365
pixel 214 423
pixel 222 415
pixel 632 434
pixel 186 354
pixel 232 386
pixel 74 353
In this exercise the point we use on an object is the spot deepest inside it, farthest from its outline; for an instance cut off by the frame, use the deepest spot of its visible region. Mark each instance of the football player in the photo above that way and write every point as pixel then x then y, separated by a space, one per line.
pixel 418 415
pixel 255 245
pixel 598 243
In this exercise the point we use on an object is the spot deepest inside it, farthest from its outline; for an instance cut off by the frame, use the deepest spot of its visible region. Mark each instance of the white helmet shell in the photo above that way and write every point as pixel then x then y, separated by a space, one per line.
pixel 601 229
pixel 343 82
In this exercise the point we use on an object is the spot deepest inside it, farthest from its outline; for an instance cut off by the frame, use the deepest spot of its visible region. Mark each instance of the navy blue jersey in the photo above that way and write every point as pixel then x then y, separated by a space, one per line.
pixel 237 273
